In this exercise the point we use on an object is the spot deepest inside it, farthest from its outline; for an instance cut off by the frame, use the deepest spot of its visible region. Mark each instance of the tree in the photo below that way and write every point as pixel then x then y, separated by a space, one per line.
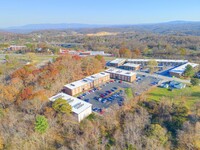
pixel 152 64
pixel 41 124
pixel 194 81
pixel 30 46
pixel 189 136
pixel 183 52
pixel 101 59
pixel 158 133
pixel 1 143
pixel 61 105
pixel 189 71
pixel 125 52
pixel 7 58
pixel 137 52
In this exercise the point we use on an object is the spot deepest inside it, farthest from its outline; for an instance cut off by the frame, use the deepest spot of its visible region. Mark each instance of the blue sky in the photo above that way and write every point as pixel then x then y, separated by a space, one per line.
pixel 21 12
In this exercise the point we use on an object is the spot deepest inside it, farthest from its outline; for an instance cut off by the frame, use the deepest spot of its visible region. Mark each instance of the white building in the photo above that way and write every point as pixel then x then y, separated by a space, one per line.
pixel 178 71
pixel 161 62
pixel 81 109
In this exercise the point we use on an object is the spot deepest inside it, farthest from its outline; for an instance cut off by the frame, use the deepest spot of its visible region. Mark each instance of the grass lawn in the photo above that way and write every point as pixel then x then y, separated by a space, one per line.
pixel 109 58
pixel 188 95
pixel 129 92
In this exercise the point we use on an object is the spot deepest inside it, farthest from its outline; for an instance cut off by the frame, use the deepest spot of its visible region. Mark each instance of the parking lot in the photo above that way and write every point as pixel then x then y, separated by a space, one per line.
pixel 165 70
pixel 112 92
pixel 143 83
pixel 106 95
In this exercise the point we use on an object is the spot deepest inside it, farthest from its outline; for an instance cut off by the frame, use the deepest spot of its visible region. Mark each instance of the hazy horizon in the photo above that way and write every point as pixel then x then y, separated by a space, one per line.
pixel 112 12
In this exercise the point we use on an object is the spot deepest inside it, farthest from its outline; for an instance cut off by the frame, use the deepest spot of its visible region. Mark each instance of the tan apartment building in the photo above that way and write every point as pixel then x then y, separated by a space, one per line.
pixel 87 83
pixel 122 75
pixel 117 62
pixel 131 66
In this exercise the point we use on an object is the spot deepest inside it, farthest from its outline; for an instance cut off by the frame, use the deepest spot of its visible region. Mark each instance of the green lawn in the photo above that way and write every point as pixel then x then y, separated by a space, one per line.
pixel 109 58
pixel 129 92
pixel 188 95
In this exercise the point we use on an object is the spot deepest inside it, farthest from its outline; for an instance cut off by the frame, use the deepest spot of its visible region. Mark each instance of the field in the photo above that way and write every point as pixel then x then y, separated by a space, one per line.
pixel 109 58
pixel 16 61
pixel 188 95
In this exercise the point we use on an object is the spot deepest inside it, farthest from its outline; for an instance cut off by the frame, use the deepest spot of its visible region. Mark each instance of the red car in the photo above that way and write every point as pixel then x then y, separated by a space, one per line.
pixel 120 81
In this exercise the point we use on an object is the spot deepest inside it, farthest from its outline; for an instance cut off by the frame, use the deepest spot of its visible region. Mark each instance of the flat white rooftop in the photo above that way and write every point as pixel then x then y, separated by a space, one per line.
pixel 86 80
pixel 97 76
pixel 181 69
pixel 131 65
pixel 158 60
pixel 77 105
pixel 121 72
pixel 118 60
pixel 78 83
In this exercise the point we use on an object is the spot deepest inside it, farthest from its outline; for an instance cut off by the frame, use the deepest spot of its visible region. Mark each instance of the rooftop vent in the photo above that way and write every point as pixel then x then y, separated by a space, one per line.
pixel 72 84
pixel 119 71
pixel 78 105
pixel 70 100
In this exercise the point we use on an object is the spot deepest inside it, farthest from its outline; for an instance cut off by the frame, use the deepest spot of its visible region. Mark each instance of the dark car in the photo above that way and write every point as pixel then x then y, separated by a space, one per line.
pixel 95 109
pixel 120 103
pixel 96 98
pixel 86 100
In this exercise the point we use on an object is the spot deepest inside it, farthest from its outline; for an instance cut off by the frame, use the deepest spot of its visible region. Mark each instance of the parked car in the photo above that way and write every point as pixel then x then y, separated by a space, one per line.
pixel 99 99
pixel 86 100
pixel 96 98
pixel 103 100
pixel 95 109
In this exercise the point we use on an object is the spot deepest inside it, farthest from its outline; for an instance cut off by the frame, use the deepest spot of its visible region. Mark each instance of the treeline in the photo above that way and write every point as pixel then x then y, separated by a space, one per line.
pixel 143 125
pixel 147 43
pixel 32 83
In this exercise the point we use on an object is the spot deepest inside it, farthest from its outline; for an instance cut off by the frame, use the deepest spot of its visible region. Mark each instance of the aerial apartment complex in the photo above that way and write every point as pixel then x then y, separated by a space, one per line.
pixel 122 75
pixel 136 64
pixel 86 83
pixel 80 108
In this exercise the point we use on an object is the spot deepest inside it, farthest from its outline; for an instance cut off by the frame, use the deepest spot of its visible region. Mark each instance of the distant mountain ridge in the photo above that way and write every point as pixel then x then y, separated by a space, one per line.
pixel 61 26
pixel 173 27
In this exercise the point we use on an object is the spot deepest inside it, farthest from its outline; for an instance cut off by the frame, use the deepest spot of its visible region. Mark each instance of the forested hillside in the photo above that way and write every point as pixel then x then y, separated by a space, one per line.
pixel 28 120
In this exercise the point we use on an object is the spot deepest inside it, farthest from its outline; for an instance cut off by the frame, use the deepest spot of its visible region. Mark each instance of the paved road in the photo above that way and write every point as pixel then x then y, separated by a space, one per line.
pixel 164 78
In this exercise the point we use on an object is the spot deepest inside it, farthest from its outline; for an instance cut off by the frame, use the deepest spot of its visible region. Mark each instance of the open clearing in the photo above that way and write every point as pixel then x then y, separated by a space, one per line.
pixel 188 95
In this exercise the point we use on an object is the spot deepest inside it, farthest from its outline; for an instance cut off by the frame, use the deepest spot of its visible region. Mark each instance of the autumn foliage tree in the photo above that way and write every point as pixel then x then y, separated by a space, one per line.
pixel 125 52
pixel 61 106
